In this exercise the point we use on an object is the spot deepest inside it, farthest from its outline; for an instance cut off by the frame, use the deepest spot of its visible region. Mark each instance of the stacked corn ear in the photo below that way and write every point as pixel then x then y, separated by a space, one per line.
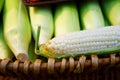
pixel 17 29
pixel 41 17
pixel 5 51
pixel 97 41
pixel 91 15
pixel 1 4
pixel 66 18
pixel 111 9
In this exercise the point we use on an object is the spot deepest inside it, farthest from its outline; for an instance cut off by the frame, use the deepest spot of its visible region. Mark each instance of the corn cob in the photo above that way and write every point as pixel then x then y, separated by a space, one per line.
pixel 17 28
pixel 111 11
pixel 66 19
pixel 91 15
pixel 5 51
pixel 42 17
pixel 86 42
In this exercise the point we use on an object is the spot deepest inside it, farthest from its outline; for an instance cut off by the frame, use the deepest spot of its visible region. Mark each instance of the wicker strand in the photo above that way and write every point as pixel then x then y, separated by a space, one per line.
pixel 15 66
pixel 37 65
pixel 71 64
pixel 50 66
pixel 62 69
pixel 26 67
pixel 3 65
pixel 80 65
pixel 112 62
pixel 94 62
pixel 112 57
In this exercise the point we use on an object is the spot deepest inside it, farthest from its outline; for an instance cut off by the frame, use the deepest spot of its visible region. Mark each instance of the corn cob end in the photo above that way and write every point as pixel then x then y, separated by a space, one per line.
pixel 22 57
pixel 45 51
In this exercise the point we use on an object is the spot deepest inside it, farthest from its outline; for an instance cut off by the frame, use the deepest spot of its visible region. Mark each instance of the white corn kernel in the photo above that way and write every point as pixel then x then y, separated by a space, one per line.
pixel 84 41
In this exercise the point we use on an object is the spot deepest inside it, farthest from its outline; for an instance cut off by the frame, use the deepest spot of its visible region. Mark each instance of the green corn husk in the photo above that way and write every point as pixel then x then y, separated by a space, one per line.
pixel 5 51
pixel 107 23
pixel 111 9
pixel 91 15
pixel 17 29
pixel 42 17
pixel 1 4
pixel 66 18
pixel 31 53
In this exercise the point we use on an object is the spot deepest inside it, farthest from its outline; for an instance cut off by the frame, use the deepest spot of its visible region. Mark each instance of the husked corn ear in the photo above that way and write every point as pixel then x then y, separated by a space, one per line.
pixel 96 41
pixel 111 9
pixel 17 30
pixel 42 17
pixel 5 51
pixel 66 19
pixel 91 15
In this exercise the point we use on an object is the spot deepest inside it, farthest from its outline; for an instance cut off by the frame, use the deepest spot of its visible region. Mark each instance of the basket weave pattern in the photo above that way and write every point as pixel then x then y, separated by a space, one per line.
pixel 66 68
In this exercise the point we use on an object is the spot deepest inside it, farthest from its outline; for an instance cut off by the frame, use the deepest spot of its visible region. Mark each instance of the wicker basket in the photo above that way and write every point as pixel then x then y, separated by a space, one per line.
pixel 92 67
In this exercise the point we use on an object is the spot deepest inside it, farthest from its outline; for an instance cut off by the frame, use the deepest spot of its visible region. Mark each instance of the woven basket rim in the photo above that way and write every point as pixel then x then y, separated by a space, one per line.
pixel 65 65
